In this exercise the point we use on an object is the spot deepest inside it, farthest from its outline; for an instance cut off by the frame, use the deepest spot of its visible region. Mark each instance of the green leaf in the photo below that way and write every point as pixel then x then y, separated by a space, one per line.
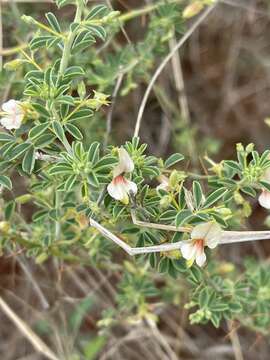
pixel 74 131
pixel 92 180
pixel 94 346
pixel 163 265
pixel 61 3
pixel 249 191
pixel 41 109
pixel 93 152
pixel 265 184
pixel 60 169
pixel 168 215
pixel 183 217
pixel 233 165
pixel 70 182
pixel 214 197
pixel 98 31
pixel 52 20
pixel 173 159
pixel 204 298
pixel 5 182
pixel 29 161
pixel 43 140
pixel 5 137
pixel 65 99
pixel 215 319
pixel 19 150
pixel 73 72
pixel 106 163
pixel 58 130
pixel 37 130
pixel 97 11
pixel 40 41
pixel 235 307
pixel 9 210
pixel 81 114
pixel 197 194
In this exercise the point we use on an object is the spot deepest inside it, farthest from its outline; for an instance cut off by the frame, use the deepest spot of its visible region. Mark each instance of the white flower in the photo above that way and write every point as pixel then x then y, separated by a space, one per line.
pixel 207 234
pixel 119 188
pixel 14 115
pixel 264 198
pixel 164 183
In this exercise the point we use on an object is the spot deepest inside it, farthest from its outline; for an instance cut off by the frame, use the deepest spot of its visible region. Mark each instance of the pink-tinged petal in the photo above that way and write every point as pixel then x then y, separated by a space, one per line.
pixel 119 189
pixel 264 199
pixel 116 188
pixel 11 122
pixel 12 107
pixel 188 250
pixel 200 258
pixel 125 164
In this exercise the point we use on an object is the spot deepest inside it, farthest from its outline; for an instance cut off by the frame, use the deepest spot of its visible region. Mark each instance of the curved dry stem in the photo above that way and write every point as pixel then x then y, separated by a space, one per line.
pixel 164 63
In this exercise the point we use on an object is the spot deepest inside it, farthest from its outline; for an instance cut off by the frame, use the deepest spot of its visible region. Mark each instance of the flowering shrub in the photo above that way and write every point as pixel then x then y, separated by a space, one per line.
pixel 133 198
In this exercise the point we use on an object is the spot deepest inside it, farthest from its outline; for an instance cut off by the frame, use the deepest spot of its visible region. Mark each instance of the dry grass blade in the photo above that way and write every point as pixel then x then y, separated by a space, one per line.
pixel 38 344
pixel 164 63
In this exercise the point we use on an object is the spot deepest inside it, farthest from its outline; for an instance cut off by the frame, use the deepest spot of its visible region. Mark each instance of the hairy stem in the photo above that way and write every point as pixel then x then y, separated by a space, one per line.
pixel 69 41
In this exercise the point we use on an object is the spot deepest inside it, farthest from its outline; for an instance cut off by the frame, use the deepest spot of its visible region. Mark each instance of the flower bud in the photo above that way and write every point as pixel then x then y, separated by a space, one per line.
pixel 165 201
pixel 225 268
pixel 238 198
pixel 174 178
pixel 247 210
pixel 4 227
pixel 239 147
pixel 28 19
pixel 192 9
pixel 13 65
pixel 250 148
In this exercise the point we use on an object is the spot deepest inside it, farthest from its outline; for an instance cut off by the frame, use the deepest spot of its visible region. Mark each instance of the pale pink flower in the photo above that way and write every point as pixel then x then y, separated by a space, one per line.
pixel 207 234
pixel 264 198
pixel 13 116
pixel 164 183
pixel 120 187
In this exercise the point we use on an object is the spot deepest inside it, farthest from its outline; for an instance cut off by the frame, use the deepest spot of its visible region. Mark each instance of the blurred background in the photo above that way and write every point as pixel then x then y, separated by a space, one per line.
pixel 213 94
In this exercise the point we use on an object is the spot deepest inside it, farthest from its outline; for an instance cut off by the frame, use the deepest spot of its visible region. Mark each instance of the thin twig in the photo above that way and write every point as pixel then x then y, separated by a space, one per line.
pixel 164 63
pixel 227 237
pixel 36 286
pixel 235 342
pixel 37 343
pixel 110 113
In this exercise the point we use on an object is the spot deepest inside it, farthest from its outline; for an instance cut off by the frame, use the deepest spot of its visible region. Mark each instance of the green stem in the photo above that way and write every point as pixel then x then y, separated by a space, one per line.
pixel 145 10
pixel 57 223
pixel 69 40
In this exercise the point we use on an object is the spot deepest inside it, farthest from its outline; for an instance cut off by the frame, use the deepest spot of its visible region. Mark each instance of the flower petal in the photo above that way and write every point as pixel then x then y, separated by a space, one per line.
pixel 12 107
pixel 125 164
pixel 131 187
pixel 200 258
pixel 188 250
pixel 119 188
pixel 164 183
pixel 264 199
pixel 11 122
pixel 210 232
